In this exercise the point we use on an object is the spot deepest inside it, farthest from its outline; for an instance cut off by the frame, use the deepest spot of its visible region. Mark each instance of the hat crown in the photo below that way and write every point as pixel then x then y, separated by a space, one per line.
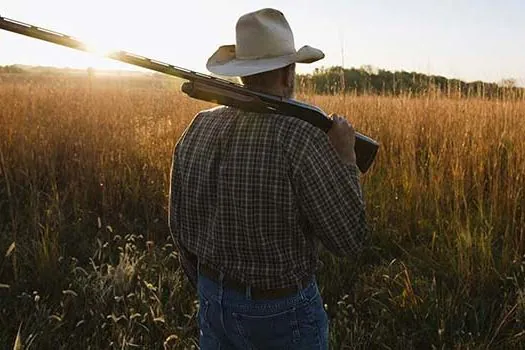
pixel 263 34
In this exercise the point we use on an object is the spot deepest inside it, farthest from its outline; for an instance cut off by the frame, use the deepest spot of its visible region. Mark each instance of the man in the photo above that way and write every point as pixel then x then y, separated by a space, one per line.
pixel 253 194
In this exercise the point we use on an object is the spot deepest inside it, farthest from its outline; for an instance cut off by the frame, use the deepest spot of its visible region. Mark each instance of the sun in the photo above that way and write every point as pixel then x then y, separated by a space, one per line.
pixel 97 54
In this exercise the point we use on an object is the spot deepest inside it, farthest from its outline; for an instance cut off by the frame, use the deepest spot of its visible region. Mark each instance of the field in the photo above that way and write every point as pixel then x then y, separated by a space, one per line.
pixel 86 259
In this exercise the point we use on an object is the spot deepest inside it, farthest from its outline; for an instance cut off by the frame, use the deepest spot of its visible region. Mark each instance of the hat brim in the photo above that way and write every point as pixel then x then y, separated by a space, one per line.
pixel 224 62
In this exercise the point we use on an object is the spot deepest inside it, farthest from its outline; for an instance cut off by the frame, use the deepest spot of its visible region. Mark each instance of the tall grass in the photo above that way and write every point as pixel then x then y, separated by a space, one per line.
pixel 85 257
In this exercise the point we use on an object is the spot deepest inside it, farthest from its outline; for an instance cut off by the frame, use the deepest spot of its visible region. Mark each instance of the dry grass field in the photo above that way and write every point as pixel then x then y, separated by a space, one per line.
pixel 85 255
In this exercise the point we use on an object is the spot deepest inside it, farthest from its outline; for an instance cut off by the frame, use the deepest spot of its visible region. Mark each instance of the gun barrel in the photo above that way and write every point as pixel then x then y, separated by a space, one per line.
pixel 73 43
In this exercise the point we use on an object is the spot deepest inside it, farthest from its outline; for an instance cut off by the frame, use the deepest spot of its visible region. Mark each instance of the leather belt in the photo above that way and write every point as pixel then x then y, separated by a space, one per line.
pixel 256 293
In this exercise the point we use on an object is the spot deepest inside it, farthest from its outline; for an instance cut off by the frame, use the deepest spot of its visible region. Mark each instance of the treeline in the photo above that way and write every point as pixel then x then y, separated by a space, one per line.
pixel 22 68
pixel 11 69
pixel 367 80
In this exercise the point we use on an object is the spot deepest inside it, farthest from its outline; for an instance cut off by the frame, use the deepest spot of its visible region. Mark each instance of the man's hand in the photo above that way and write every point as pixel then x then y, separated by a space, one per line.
pixel 342 137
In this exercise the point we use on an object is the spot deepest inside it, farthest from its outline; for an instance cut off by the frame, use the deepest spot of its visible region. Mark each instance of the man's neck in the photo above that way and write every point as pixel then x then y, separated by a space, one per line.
pixel 275 91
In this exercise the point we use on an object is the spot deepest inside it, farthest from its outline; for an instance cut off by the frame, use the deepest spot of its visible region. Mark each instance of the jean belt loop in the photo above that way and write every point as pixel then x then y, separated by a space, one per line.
pixel 198 267
pixel 300 290
pixel 249 292
pixel 221 296
pixel 221 285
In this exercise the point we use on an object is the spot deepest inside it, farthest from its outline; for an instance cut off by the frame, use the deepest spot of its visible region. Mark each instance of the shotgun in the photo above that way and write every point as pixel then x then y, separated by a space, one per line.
pixel 211 89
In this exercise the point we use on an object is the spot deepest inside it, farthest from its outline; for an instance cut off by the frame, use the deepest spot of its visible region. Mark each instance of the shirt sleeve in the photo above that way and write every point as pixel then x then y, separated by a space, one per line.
pixel 331 198
pixel 187 260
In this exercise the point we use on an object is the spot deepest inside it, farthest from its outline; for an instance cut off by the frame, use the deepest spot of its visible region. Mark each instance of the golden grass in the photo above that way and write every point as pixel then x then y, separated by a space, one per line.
pixel 83 159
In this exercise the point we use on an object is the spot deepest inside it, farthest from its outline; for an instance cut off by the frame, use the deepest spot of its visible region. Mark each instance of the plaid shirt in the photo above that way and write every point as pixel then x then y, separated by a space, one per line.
pixel 253 194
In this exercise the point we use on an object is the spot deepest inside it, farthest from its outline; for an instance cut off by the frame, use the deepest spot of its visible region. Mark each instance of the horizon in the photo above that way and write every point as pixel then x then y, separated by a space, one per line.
pixel 136 71
pixel 470 40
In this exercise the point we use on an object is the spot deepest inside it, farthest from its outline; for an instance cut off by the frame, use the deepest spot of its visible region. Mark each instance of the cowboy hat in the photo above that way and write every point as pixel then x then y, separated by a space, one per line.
pixel 264 42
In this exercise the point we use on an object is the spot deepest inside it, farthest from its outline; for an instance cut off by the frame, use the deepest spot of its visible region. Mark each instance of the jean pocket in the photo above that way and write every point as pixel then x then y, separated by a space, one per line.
pixel 313 324
pixel 278 330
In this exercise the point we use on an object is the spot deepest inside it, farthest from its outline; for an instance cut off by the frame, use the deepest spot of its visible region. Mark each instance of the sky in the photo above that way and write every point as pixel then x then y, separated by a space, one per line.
pixel 465 39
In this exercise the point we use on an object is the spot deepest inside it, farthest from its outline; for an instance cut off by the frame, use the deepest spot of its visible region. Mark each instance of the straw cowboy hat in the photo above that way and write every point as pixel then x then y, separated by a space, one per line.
pixel 264 42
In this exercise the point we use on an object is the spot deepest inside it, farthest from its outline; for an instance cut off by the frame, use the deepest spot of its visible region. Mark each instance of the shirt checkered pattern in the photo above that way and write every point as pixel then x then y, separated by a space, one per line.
pixel 253 195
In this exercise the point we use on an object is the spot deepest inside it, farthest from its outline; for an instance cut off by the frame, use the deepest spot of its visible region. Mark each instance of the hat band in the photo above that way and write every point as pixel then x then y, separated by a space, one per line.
pixel 256 57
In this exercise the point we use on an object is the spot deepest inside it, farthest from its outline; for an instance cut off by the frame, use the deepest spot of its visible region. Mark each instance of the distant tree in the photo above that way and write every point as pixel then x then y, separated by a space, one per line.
pixel 508 83
pixel 11 69
pixel 90 72
pixel 368 69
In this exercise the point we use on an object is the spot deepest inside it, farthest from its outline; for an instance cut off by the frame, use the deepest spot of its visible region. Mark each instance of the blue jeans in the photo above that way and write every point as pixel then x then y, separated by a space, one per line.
pixel 229 319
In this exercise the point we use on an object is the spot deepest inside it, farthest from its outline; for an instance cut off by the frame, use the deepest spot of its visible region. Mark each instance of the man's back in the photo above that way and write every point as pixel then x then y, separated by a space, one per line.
pixel 253 194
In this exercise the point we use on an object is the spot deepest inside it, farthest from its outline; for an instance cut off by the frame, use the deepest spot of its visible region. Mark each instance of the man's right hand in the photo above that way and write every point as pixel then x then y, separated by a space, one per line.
pixel 342 137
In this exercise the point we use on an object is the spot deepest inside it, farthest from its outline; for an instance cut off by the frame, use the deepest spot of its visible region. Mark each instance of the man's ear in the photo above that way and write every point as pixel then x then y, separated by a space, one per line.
pixel 284 74
pixel 287 75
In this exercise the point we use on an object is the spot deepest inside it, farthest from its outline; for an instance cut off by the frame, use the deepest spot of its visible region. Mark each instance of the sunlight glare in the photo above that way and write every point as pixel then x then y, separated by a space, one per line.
pixel 99 50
